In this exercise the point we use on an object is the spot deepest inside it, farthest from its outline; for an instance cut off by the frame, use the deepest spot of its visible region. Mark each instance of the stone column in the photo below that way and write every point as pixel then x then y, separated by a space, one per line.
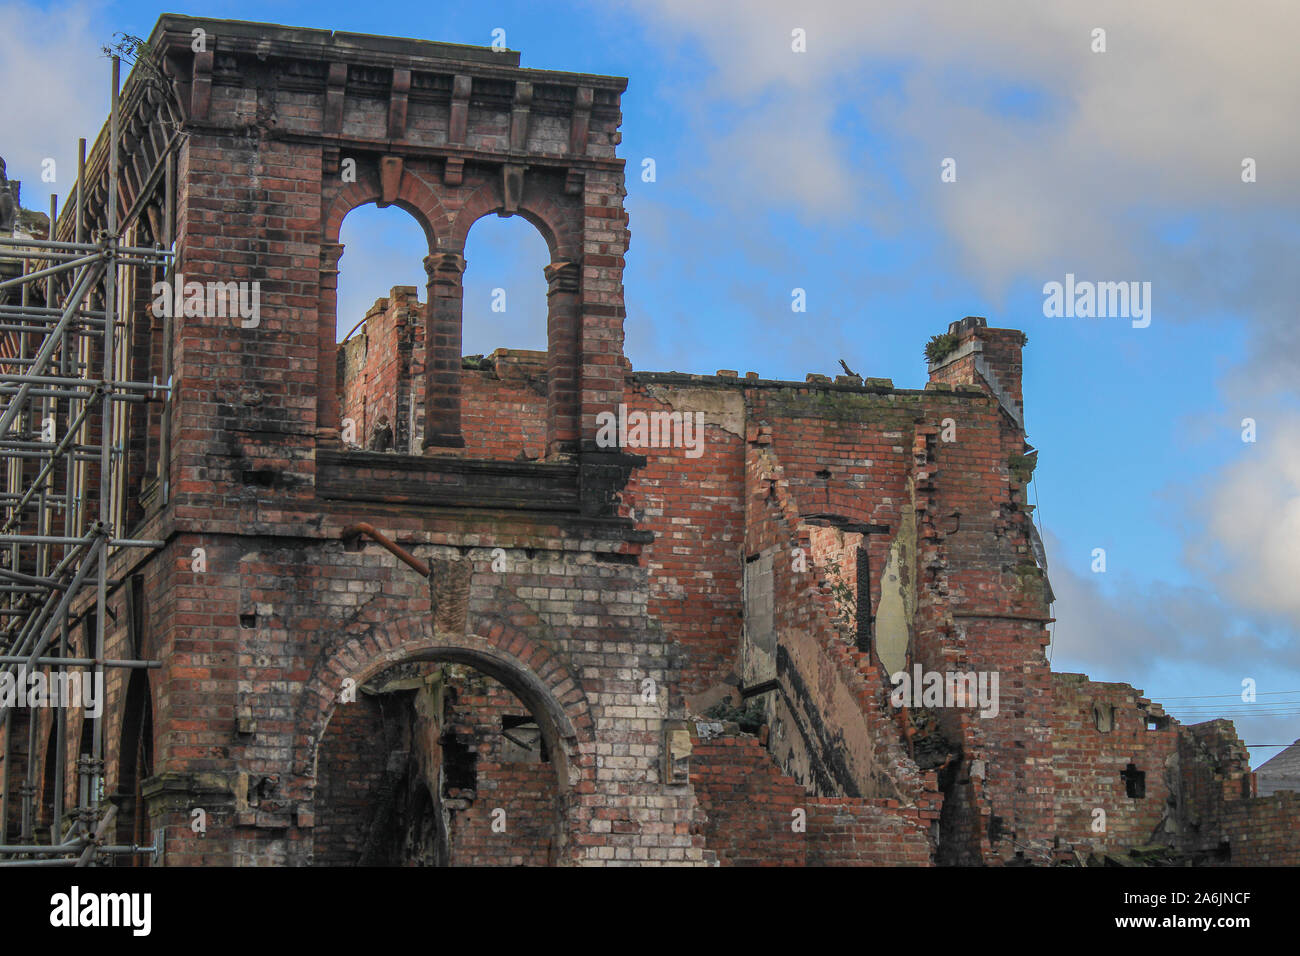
pixel 563 318
pixel 327 397
pixel 442 364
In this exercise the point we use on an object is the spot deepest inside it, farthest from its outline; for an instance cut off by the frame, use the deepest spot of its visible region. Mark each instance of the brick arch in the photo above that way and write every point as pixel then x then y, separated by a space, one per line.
pixel 526 666
pixel 137 713
pixel 560 227
pixel 413 197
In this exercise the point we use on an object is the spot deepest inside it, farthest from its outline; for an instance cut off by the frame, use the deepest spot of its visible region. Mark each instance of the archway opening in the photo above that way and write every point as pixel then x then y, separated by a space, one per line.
pixel 505 340
pixel 436 763
pixel 380 330
pixel 135 766
pixel 505 286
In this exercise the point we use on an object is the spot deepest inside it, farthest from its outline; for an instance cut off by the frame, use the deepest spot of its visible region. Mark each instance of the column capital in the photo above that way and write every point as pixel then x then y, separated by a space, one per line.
pixel 330 254
pixel 563 275
pixel 444 268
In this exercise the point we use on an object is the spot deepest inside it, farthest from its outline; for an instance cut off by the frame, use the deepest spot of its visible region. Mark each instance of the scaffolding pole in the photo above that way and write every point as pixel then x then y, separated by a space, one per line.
pixel 64 391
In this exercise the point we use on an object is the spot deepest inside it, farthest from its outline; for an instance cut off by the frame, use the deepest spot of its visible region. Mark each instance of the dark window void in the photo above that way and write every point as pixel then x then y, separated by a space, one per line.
pixel 866 623
pixel 1135 782
pixel 459 765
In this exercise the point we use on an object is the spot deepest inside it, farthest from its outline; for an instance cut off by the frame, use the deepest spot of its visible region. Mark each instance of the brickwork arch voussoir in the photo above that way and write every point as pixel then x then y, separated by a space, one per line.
pixel 528 667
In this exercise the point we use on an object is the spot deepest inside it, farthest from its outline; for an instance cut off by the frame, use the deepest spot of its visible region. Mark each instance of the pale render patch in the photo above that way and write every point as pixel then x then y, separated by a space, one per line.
pixel 897 596
pixel 723 409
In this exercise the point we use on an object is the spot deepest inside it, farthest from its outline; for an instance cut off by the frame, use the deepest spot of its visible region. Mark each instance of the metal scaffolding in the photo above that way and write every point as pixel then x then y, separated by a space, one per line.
pixel 65 390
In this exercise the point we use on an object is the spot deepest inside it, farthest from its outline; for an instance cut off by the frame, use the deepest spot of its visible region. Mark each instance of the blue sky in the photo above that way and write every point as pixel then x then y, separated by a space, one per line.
pixel 821 170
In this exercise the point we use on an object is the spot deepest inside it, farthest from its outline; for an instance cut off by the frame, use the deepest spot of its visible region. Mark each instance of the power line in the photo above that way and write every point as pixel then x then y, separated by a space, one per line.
pixel 1271 693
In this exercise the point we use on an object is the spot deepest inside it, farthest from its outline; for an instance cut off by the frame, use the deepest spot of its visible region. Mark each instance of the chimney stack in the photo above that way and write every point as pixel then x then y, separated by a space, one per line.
pixel 971 353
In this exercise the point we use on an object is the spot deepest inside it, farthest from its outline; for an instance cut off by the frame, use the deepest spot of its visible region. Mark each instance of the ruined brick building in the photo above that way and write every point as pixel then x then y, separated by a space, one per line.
pixel 412 608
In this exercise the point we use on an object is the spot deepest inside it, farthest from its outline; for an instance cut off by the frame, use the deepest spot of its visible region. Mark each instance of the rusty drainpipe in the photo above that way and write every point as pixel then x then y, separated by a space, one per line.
pixel 352 532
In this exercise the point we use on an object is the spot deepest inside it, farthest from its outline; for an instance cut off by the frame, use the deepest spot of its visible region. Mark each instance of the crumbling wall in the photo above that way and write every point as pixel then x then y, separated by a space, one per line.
pixel 377 372
pixel 1115 762
pixel 1223 819
pixel 982 601
pixel 757 816
pixel 692 500
pixel 614 582
pixel 831 726
pixel 503 411
pixel 352 771
pixel 837 553
pixel 509 815
pixel 435 765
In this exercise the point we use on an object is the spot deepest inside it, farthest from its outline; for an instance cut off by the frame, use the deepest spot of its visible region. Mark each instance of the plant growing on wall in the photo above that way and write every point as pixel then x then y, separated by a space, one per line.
pixel 844 595
pixel 749 717
pixel 940 347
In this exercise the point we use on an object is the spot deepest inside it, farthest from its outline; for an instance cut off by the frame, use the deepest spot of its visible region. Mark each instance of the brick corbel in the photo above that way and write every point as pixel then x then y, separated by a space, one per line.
pixel 580 121
pixel 335 87
pixel 330 254
pixel 201 88
pixel 397 101
pixel 444 268
pixel 453 173
pixel 519 116
pixel 458 120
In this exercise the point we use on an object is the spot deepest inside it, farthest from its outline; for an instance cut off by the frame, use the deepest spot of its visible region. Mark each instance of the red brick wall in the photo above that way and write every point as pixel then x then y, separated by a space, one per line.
pixel 747 802
pixel 349 771
pixel 1261 831
pixel 527 794
pixel 981 607
pixel 750 807
pixel 1221 808
pixel 695 509
pixel 1087 763
pixel 378 377
pixel 503 411
pixel 867 833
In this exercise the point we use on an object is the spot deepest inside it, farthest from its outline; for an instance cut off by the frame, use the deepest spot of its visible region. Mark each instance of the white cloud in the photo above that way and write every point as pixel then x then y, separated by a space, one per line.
pixel 1252 511
pixel 1121 632
pixel 56 88
pixel 1156 126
